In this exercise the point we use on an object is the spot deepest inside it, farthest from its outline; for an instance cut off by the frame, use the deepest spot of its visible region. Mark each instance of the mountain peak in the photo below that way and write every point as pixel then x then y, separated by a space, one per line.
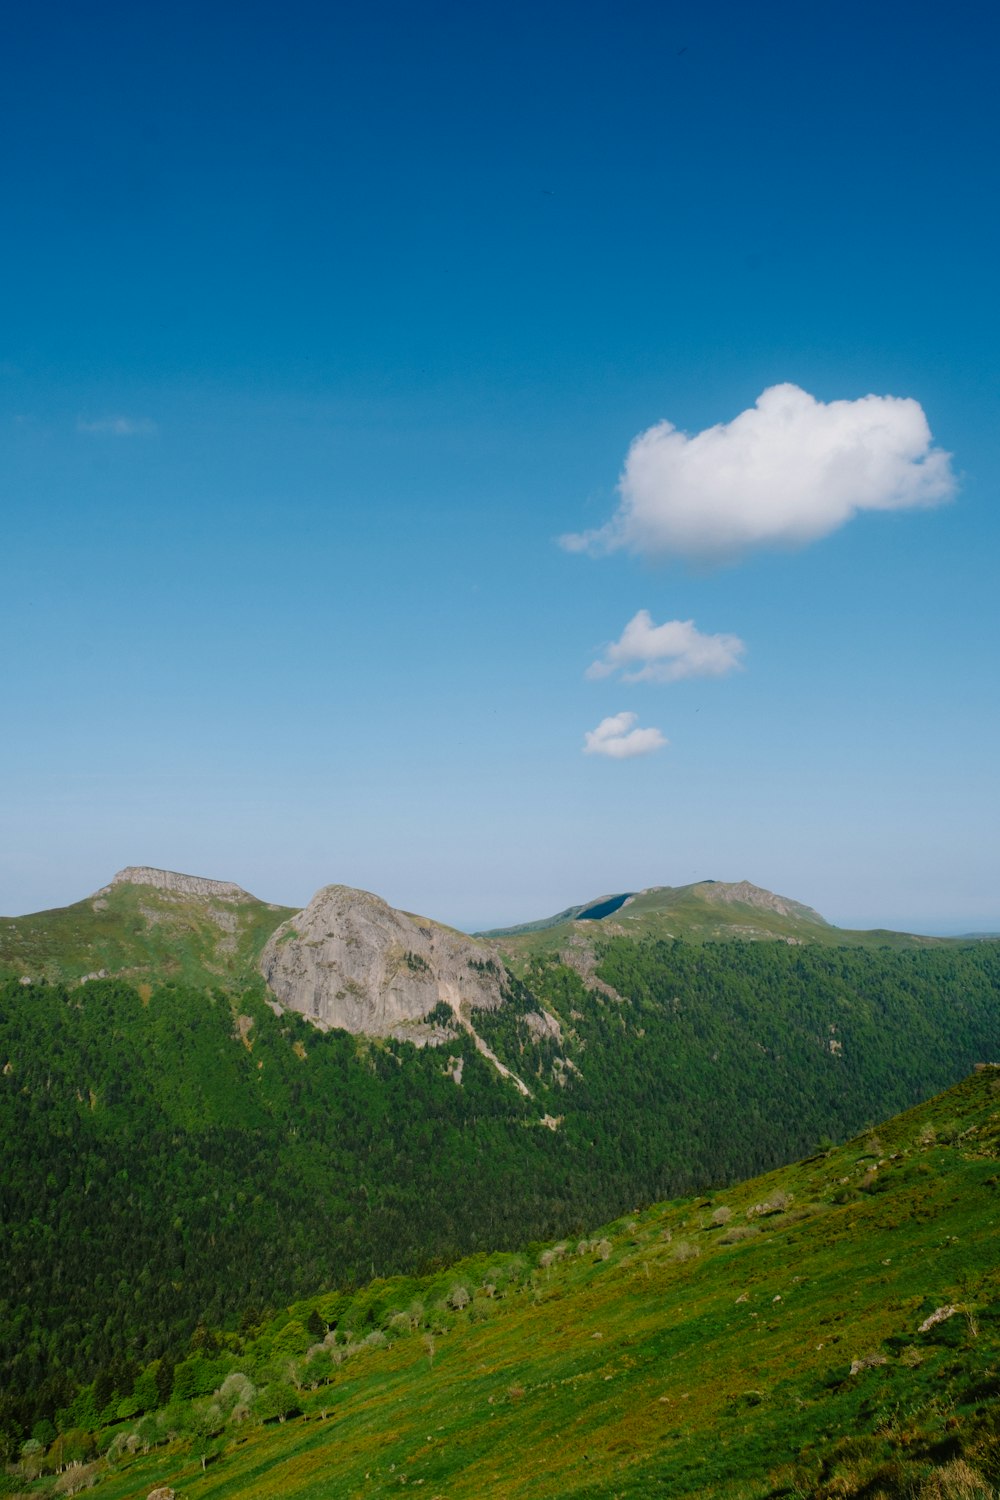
pixel 745 893
pixel 351 960
pixel 184 885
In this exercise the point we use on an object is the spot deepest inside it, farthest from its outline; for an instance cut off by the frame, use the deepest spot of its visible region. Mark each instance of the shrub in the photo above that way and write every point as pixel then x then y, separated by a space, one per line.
pixel 956 1481
pixel 685 1251
pixel 739 1232
pixel 79 1477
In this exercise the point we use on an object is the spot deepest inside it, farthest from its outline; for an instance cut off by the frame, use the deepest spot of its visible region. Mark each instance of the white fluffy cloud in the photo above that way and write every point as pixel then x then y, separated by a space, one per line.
pixel 118 427
pixel 667 653
pixel 786 472
pixel 617 738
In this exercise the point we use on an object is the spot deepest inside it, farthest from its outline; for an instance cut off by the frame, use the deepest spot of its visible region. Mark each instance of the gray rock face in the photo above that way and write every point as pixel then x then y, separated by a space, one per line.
pixel 351 960
pixel 742 893
pixel 184 885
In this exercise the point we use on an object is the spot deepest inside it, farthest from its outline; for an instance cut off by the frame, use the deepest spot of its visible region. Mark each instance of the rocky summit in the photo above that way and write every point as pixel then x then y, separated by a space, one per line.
pixel 182 885
pixel 351 960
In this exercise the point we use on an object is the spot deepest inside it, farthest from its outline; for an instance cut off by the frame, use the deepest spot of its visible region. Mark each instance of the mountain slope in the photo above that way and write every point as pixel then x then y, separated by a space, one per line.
pixel 158 925
pixel 830 1330
pixel 147 924
pixel 207 1156
pixel 710 911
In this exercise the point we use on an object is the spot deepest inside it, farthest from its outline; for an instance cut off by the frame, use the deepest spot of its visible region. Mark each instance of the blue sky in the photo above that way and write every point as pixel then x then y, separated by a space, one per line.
pixel 322 326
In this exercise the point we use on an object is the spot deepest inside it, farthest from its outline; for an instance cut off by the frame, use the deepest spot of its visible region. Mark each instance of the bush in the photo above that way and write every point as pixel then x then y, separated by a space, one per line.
pixel 79 1477
pixel 739 1232
pixel 956 1481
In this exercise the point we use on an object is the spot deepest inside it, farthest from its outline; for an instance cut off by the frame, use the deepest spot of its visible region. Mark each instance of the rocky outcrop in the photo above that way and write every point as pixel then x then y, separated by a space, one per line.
pixel 183 885
pixel 743 893
pixel 351 960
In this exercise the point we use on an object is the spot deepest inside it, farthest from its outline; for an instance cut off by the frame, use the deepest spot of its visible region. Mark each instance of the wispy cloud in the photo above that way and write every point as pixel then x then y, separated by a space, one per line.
pixel 616 737
pixel 786 472
pixel 667 653
pixel 117 426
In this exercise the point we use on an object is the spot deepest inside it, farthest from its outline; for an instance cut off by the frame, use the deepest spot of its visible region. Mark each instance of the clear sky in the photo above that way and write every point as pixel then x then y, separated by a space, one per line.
pixel 322 325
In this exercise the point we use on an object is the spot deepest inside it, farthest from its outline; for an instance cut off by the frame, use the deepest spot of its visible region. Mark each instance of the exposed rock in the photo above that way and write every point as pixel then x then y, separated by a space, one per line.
pixel 743 893
pixel 162 1492
pixel 351 960
pixel 579 955
pixel 183 885
pixel 939 1315
pixel 541 1025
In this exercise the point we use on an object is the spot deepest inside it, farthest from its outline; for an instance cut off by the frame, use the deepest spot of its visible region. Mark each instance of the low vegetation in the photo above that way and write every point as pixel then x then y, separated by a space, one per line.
pixel 847 1345
pixel 201 1160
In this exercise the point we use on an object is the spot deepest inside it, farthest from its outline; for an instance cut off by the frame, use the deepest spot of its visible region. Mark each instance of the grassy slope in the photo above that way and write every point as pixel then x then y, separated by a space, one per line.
pixel 680 1365
pixel 141 932
pixel 138 931
pixel 686 912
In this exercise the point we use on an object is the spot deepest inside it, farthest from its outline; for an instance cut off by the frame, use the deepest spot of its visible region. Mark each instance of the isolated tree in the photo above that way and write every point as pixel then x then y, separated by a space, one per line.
pixel 318 1368
pixel 277 1401
pixel 32 1458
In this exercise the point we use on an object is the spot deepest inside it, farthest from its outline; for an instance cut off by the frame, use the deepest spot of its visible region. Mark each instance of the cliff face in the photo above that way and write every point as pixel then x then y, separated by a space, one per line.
pixel 184 885
pixel 351 960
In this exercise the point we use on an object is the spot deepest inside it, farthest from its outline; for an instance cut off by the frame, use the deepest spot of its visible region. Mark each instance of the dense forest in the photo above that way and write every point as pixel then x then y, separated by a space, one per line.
pixel 177 1159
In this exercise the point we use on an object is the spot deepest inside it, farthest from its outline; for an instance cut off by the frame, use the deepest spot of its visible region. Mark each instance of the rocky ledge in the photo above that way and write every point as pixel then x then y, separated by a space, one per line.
pixel 183 885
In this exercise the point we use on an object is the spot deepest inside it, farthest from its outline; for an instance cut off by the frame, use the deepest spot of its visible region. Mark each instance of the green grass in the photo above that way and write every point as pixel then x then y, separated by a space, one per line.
pixel 139 932
pixel 689 913
pixel 670 1362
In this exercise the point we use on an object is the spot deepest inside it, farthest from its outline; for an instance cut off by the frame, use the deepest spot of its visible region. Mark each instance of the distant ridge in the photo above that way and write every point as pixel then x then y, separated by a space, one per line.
pixel 184 885
pixel 146 923
pixel 707 911
pixel 165 924
pixel 671 898
pixel 590 911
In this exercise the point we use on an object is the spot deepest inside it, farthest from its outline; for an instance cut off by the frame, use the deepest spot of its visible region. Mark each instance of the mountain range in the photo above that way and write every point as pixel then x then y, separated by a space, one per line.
pixel 349 959
pixel 213 1107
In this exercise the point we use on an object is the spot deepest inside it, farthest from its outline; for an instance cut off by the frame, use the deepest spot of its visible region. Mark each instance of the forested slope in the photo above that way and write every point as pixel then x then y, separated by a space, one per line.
pixel 176 1157
pixel 830 1330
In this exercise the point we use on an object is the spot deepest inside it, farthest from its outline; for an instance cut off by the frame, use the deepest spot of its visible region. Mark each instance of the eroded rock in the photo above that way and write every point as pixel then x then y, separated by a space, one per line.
pixel 351 960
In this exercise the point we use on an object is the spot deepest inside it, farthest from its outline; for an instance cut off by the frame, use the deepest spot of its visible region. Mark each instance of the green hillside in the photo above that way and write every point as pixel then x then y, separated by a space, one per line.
pixel 141 932
pixel 708 912
pixel 829 1330
pixel 206 1158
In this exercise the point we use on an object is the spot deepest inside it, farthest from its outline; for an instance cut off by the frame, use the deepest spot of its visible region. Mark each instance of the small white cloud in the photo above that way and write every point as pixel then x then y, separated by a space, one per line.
pixel 668 652
pixel 617 738
pixel 118 427
pixel 784 473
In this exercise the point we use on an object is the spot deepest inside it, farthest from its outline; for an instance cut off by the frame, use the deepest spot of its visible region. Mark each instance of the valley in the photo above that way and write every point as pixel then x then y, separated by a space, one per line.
pixel 214 1109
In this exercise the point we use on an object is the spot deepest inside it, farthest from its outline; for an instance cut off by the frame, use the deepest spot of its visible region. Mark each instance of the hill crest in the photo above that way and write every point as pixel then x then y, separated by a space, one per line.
pixel 183 885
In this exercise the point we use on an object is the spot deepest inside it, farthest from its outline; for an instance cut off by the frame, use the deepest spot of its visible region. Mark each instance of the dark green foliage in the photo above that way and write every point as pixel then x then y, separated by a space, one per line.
pixel 193 1159
pixel 721 1061
pixel 159 1174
